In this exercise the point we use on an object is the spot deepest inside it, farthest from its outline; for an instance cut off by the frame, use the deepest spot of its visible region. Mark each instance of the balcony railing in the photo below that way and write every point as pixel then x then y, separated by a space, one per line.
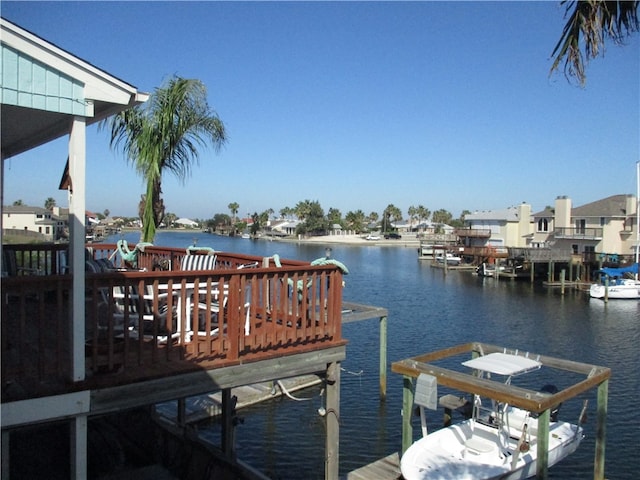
pixel 142 323
pixel 473 232
pixel 574 233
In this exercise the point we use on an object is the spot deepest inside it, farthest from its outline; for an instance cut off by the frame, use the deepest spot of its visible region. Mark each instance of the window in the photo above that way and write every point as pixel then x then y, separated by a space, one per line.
pixel 580 226
pixel 574 248
pixel 589 249
pixel 543 225
pixel 603 221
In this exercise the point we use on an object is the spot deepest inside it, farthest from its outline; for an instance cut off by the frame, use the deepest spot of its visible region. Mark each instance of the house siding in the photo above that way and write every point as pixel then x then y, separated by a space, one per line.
pixel 30 84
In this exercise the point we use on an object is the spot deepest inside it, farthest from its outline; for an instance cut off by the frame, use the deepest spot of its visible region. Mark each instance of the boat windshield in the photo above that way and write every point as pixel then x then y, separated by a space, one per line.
pixel 503 364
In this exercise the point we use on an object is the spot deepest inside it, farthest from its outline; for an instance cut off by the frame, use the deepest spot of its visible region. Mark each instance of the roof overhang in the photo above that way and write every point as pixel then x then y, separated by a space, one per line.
pixel 104 95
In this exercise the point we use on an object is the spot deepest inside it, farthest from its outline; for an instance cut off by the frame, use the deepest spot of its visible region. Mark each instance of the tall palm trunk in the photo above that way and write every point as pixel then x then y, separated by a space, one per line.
pixel 152 212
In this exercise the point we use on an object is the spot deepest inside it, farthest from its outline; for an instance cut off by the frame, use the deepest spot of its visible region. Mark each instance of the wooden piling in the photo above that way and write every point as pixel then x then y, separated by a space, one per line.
pixel 601 430
pixel 562 275
pixel 383 358
pixel 407 409
pixel 532 272
pixel 228 433
pixel 542 464
pixel 332 419
pixel 182 412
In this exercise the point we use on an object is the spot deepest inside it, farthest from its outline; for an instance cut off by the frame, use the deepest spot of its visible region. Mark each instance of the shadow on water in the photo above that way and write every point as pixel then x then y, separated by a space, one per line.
pixel 429 310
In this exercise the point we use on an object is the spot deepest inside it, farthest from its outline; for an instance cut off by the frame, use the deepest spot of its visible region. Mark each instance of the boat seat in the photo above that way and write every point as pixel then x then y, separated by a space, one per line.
pixel 478 446
pixel 517 419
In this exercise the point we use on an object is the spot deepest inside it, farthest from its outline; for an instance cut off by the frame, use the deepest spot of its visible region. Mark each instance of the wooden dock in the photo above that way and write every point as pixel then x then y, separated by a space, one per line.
pixel 201 407
pixel 387 468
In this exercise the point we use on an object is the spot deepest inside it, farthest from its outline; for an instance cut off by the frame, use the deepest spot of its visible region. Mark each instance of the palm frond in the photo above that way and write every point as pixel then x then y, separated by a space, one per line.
pixel 589 23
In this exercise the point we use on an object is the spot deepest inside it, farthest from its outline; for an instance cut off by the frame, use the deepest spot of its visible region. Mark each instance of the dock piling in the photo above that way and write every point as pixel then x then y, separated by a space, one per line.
pixel 383 358
pixel 407 409
pixel 601 430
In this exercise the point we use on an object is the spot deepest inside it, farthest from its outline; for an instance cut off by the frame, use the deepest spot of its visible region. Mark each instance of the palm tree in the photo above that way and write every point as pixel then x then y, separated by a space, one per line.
pixel 165 133
pixel 233 208
pixel 590 23
pixel 49 203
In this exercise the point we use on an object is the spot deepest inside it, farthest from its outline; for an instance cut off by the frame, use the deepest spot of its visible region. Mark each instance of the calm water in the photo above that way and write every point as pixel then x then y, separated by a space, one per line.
pixel 428 311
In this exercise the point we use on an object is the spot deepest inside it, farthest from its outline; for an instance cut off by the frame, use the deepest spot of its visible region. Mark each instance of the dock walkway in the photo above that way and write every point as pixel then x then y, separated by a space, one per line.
pixel 387 468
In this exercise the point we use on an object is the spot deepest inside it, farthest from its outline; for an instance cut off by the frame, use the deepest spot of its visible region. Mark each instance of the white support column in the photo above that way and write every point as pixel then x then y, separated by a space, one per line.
pixel 78 450
pixel 77 207
pixel 332 417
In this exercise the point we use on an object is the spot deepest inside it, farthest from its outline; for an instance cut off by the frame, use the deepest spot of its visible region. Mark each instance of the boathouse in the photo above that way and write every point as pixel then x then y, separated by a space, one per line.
pixel 86 334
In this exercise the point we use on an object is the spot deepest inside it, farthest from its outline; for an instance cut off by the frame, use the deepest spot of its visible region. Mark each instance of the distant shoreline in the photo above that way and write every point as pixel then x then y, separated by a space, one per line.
pixel 409 240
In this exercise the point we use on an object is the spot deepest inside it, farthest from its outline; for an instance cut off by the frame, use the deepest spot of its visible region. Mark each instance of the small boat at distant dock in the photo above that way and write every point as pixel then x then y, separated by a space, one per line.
pixel 450 258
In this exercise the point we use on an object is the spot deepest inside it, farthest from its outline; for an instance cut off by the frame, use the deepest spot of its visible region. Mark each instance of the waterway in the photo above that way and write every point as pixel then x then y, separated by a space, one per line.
pixel 430 310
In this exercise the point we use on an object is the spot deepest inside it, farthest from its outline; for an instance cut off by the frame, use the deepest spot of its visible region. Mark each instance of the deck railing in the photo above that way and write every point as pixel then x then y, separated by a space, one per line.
pixel 578 233
pixel 143 323
pixel 473 232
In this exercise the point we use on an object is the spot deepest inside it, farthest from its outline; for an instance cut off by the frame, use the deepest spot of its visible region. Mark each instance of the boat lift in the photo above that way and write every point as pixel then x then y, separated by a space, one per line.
pixel 530 400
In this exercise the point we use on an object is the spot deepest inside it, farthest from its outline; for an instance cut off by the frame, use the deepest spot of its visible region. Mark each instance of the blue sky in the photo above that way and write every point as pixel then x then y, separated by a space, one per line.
pixel 357 105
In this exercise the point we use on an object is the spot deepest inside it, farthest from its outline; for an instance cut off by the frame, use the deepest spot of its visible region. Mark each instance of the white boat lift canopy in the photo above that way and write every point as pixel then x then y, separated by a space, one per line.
pixel 503 364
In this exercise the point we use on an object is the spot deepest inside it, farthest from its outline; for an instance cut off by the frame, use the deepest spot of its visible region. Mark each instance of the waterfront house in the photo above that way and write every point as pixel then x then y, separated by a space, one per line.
pixel 24 218
pixel 604 228
pixel 509 227
pixel 186 223
pixel 82 340
pixel 285 227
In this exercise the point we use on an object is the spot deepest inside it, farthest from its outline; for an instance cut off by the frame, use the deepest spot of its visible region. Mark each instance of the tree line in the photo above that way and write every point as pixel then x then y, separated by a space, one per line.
pixel 314 221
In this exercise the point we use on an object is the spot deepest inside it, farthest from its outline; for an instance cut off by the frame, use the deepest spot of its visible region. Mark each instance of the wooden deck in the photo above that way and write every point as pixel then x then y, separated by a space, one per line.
pixel 220 319
pixel 387 468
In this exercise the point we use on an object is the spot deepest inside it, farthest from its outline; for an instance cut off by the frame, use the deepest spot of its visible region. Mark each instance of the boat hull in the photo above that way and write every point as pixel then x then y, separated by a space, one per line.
pixel 472 450
pixel 629 290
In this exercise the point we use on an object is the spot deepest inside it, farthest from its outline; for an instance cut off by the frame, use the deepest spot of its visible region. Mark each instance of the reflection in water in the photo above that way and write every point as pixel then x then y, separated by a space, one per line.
pixel 429 310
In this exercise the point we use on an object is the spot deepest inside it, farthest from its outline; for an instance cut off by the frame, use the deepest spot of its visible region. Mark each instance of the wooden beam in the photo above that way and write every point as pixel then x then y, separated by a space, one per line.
pixel 197 383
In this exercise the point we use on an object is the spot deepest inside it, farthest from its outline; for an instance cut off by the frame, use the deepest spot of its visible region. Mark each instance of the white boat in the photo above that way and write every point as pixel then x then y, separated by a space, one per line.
pixel 428 250
pixel 500 442
pixel 616 288
pixel 489 270
pixel 450 257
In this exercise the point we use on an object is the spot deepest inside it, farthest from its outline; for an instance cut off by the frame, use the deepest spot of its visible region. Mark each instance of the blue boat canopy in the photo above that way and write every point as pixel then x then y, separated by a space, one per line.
pixel 619 272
